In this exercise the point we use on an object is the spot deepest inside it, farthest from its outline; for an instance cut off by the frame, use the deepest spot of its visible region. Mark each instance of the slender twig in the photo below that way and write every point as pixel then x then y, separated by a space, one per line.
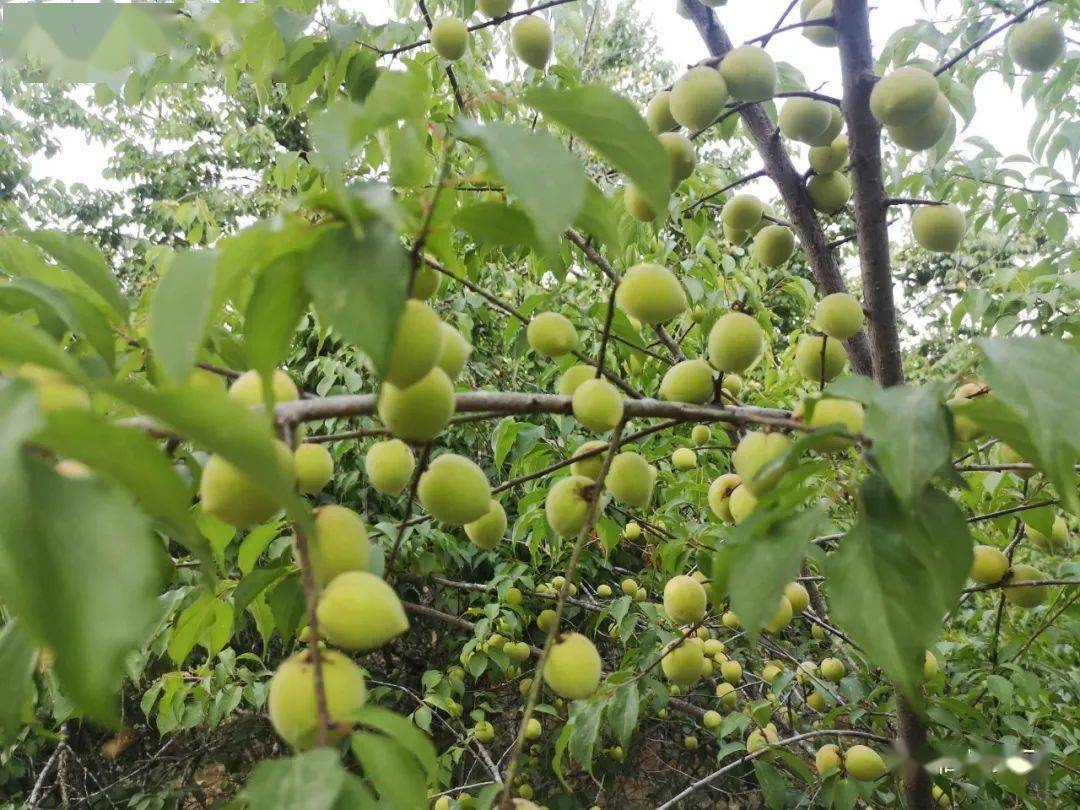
pixel 989 35
pixel 1013 187
pixel 420 467
pixel 764 38
pixel 783 17
pixel 608 318
pixel 449 70
pixel 1045 625
pixel 1023 507
pixel 734 184
pixel 1024 583
pixel 37 793
pixel 671 345
pixel 892 201
pixel 417 252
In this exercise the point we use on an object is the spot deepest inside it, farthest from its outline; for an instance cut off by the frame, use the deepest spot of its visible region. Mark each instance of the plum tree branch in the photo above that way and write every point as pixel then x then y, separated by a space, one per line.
pixel 764 38
pixel 988 36
pixel 723 190
pixel 783 18
pixel 421 465
pixel 447 68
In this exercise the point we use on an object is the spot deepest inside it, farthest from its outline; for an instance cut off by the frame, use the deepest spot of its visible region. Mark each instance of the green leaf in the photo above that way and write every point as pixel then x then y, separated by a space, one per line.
pixel 359 286
pixel 313 780
pixel 584 725
pixel 275 307
pixel 196 625
pixel 286 602
pixel 597 217
pixel 1038 380
pixel 549 185
pixel 86 261
pixel 405 734
pixel 911 437
pixel 18 654
pixel 622 712
pixel 180 312
pixel 22 343
pixel 612 126
pixel 392 769
pixel 59 311
pixel 252 585
pixel 496 224
pixel 896 574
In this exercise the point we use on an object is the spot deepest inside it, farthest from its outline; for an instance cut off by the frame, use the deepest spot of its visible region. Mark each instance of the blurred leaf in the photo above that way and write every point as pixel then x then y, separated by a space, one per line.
pixel 313 780
pixel 396 774
pixel 597 217
pixel 622 712
pixel 911 437
pixel 86 261
pixel 180 312
pixel 496 224
pixel 18 654
pixel 404 733
pixel 275 307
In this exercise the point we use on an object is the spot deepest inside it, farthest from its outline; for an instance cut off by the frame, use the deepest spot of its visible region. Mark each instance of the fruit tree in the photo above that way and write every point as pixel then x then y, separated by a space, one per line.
pixel 453 403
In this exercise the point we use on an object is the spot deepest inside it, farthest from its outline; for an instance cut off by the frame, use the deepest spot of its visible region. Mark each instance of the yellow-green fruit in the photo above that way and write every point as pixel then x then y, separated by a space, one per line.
pixel 769 672
pixel 551 334
pixel 229 495
pixel 711 719
pixel 940 796
pixel 863 763
pixel 533 729
pixel 817 632
pixel 939 228
pixel 964 427
pixel 573 377
pixel 903 96
pixel 632 531
pixel 651 294
pixel 630 479
pixel 815 366
pixel 988 565
pixel 449 37
pixel 417 344
pixel 573 667
pixel 710 646
pixel 487 531
pixel 833 130
pixel 442 803
pixel 831 158
pixel 682 663
pixel 603 591
pixel 758 739
pixel 698 97
pixel 730 620
pixel 734 235
pixel 690 742
pixel 741 504
pixel 782 617
pixel 735 342
pixel 684 459
pixel 206 380
pixel 728 695
pixel 832 669
pixel 484 731
pixel 806 6
pixel 844 412
pixel 567 503
pixel 700 435
pixel 314 467
pixel 742 212
pixel 658 113
pixel 816 701
pixel 1009 456
pixel 930 666
pixel 532 41
pixel 688 381
pixel 629 586
pixel 419 412
pixel 1026 596
pixel 641 595
pixel 453 489
pixel 821 35
pixel 797 596
pixel 637 205
pixel 358 611
pixel 805 671
pixel 750 73
pixel 513 596
pixel 681 155
pixel 774 245
pixel 598 405
pixel 827 759
pixel 733 384
pixel 247 388
pixel 589 467
pixel 829 192
pixel 546 620
pixel 389 466
pixel 731 671
pixel 1037 43
pixel 292 704
pixel 685 600
pixel 805 119
pixel 839 315
pixel 924 132
pixel 1056 541
pixel 340 543
pixel 720 494
pixel 755 450
pixel 494 8
pixel 455 351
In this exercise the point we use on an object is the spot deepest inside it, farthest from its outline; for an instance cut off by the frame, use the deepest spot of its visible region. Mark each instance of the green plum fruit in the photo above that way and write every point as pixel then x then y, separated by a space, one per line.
pixel 698 97
pixel 453 489
pixel 736 341
pixel 419 412
pixel 358 611
pixel 651 294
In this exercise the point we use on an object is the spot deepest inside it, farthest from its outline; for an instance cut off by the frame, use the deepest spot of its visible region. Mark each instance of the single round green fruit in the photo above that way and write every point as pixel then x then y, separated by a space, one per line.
pixel 818 358
pixel 546 620
pixel 782 617
pixel 698 97
pixel 833 669
pixel 805 119
pixel 845 412
pixel 1026 596
pixel 314 467
pixel 453 489
pixel 831 158
pixel 690 742
pixel 420 411
pixel 839 316
pixel 567 503
pixel 494 8
pixel 930 666
pixel 1056 541
pixel 797 596
pixel 938 228
pixel 247 388
pixel 685 601
pixel 688 381
pixel 682 662
pixel 340 543
pixel 603 591
pixel 651 294
pixel 1037 43
pixel 681 155
pixel 750 73
pixel 863 763
pixel 829 193
pixel 924 133
pixel 573 667
pixel 455 351
pixel 988 565
pixel 597 405
pixel 449 37
pixel 629 586
pixel 630 479
pixel 637 205
pixel 903 96
pixel 684 459
pixel 417 345
pixel 631 532
pixel 758 739
pixel 229 495
pixel 720 494
pixel 774 245
pixel 532 41
pixel 358 611
pixel 589 467
pixel 822 35
pixel 533 729
pixel 755 450
pixel 292 704
pixel 551 334
pixel 658 113
pixel 487 531
pixel 741 503
pixel 573 377
pixel 389 466
pixel 742 212
pixel 832 131
pixel 736 341
pixel 731 671
pixel 827 760
pixel 700 435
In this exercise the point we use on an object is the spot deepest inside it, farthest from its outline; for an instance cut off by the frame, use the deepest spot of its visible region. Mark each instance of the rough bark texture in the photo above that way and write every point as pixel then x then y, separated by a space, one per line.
pixel 789 183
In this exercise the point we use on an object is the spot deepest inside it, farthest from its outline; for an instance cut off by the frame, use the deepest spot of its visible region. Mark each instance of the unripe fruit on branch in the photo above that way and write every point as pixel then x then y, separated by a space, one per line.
pixel 829 193
pixel 741 504
pixel 750 73
pixel 734 235
pixel 988 565
pixel 1009 456
pixel 827 759
pixel 589 467
pixel 573 377
pixel 389 466
pixel 53 391
pixel 698 97
pixel 930 666
pixel 566 504
pixel 455 351
pixel 735 341
pixel 684 459
pixel 833 669
pixel 449 37
pixel 314 467
pixel 688 381
pixel 831 158
pixel 631 532
pixel 685 601
pixel 487 531
pixel 532 41
pixel 637 205
pixel 754 451
pixel 425 283
pixel 805 119
pixel 742 212
pixel 681 156
pixel 712 719
pixel 420 411
pixel 658 113
pixel 839 316
pixel 551 334
pixel 484 731
pixel 358 611
pixel 573 667
pixel 339 544
pixel 292 704
pixel 494 8
pixel 769 672
pixel 630 479
pixel 546 620
pixel 774 245
pixel 903 96
pixel 731 671
pixel 845 412
pixel 939 228
pixel 453 489
pixel 682 662
pixel 733 384
pixel 1026 596
pixel 758 739
pixel 925 132
pixel 806 6
pixel 863 763
pixel 798 596
pixel 833 130
pixel 965 428
pixel 1037 43
pixel 782 617
pixel 629 586
pixel 651 294
pixel 247 388
pixel 690 742
pixel 727 694
pixel 1056 541
pixel 816 701
pixel 598 405
pixel 809 362
pixel 417 344
pixel 823 35
pixel 229 495
pixel 700 435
